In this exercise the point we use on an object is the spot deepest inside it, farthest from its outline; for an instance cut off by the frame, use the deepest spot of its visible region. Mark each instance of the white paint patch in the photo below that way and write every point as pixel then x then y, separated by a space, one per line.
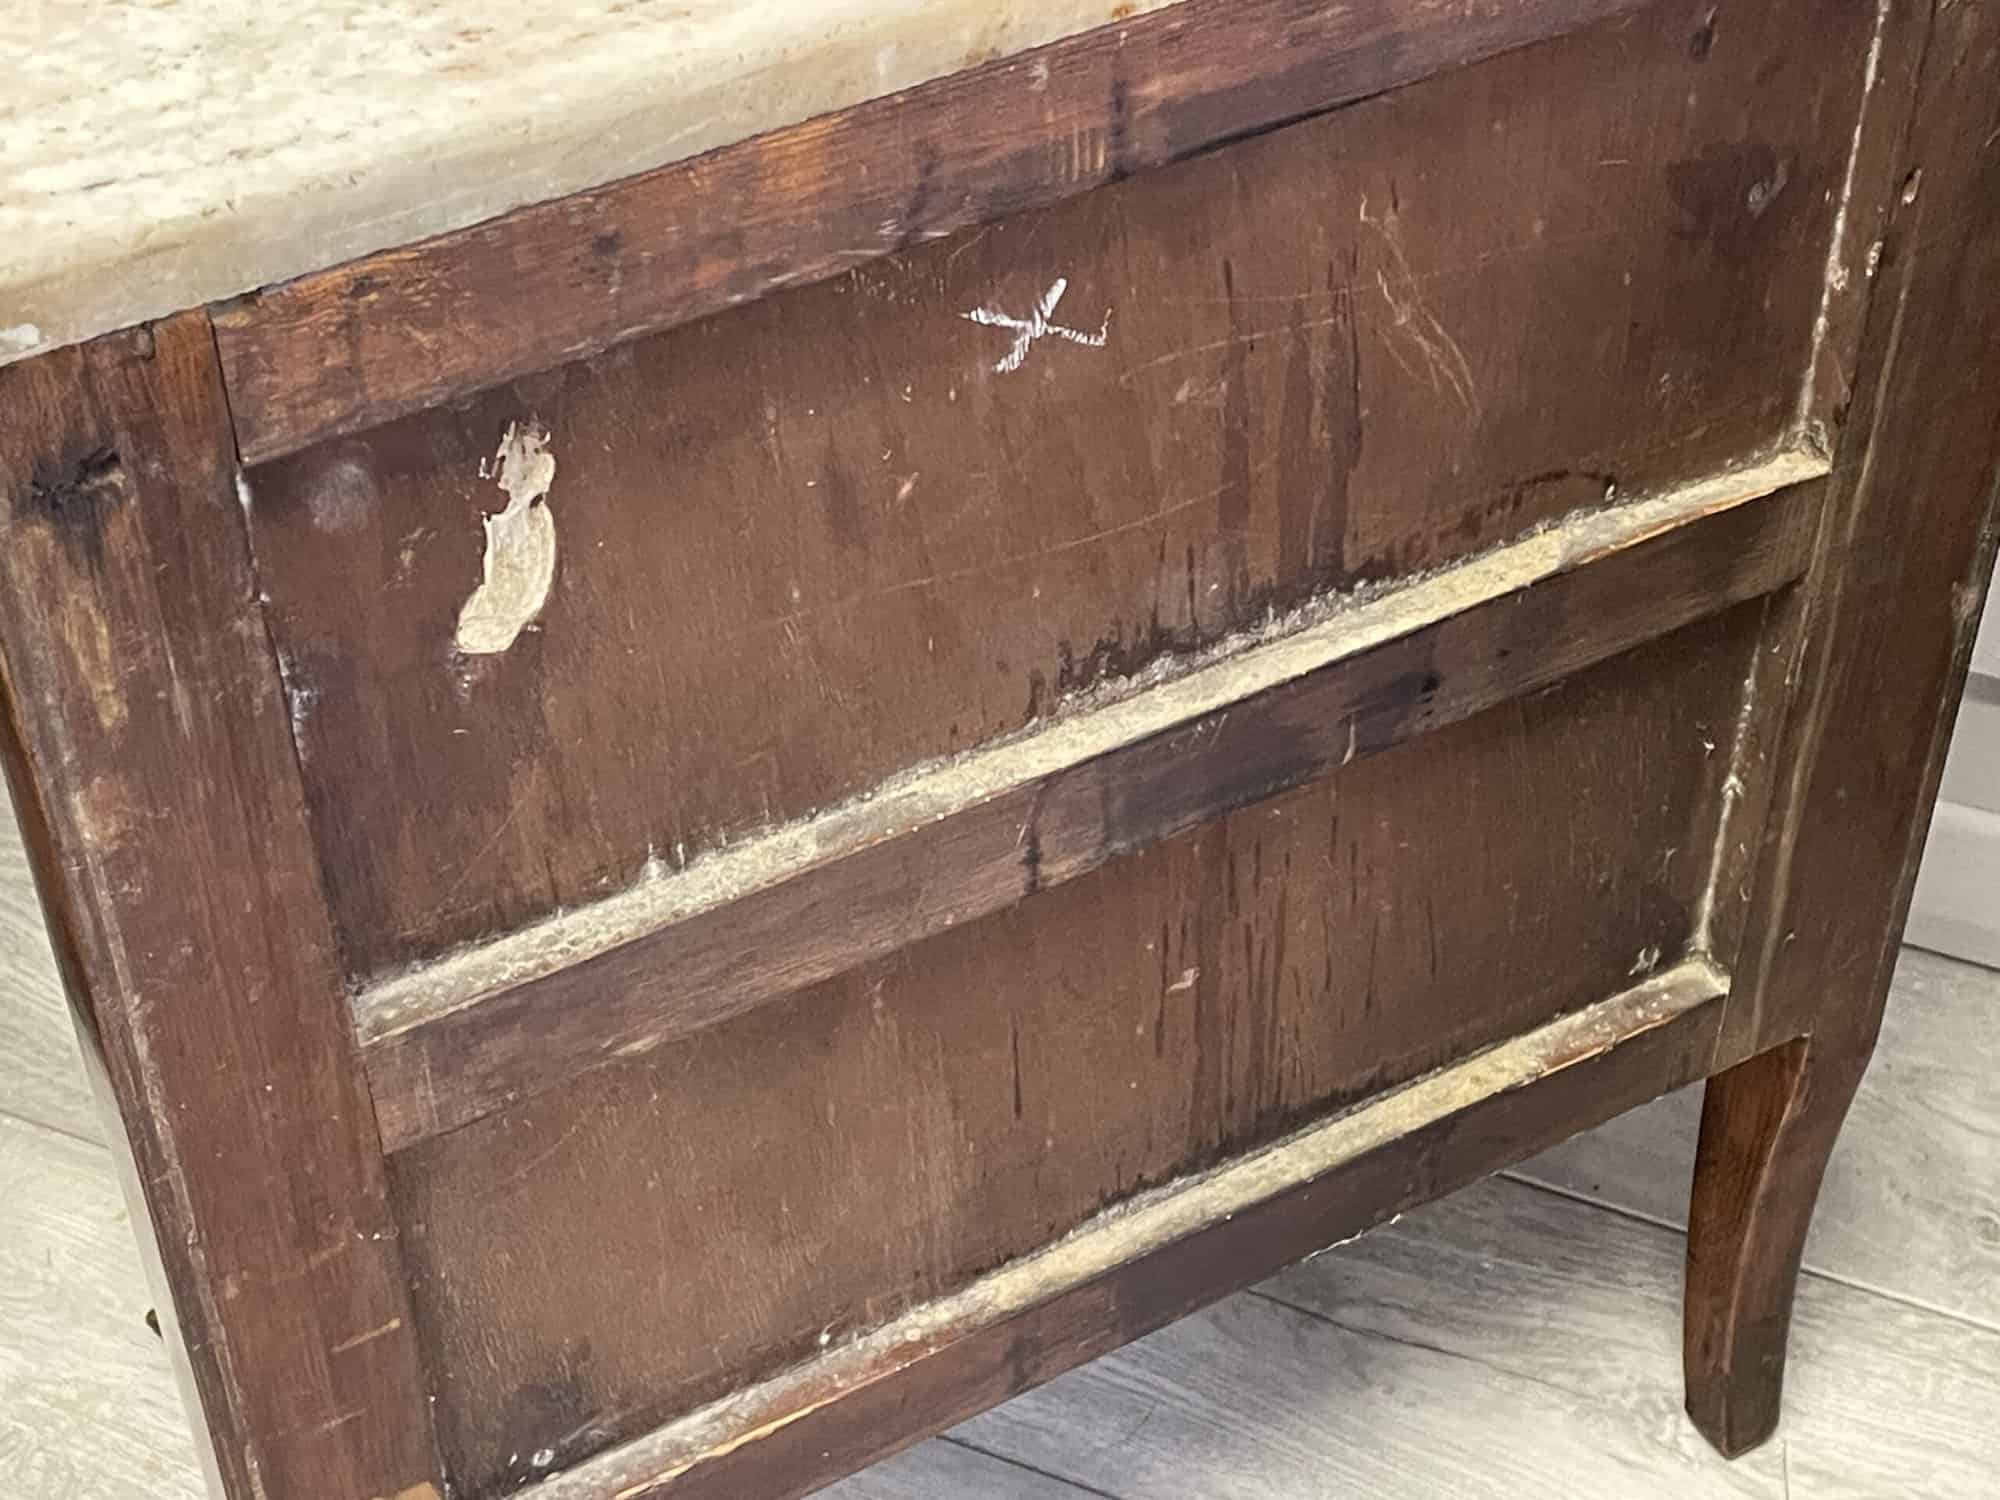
pixel 20 338
pixel 1173 691
pixel 1037 326
pixel 1762 194
pixel 520 559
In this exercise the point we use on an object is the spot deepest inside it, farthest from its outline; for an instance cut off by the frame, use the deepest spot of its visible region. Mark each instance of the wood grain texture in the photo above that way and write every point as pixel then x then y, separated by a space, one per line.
pixel 348 348
pixel 1909 535
pixel 1498 1344
pixel 907 876
pixel 1767 1128
pixel 149 756
pixel 1888 84
pixel 938 1380
pixel 41 1075
pixel 807 544
pixel 1578 1345
pixel 949 1471
pixel 1911 1203
pixel 881 1138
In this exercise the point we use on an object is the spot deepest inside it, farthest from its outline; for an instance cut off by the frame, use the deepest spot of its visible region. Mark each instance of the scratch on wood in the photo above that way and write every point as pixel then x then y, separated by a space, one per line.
pixel 1445 366
pixel 520 561
pixel 1836 277
pixel 366 1338
pixel 1172 692
pixel 1136 1228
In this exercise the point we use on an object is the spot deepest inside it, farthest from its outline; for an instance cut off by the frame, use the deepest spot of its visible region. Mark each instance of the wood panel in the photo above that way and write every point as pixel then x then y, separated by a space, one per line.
pixel 147 749
pixel 530 1011
pixel 345 349
pixel 878 1139
pixel 779 1438
pixel 804 545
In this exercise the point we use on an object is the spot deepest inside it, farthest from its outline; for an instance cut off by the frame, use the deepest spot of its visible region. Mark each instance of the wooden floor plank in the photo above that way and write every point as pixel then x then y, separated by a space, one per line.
pixel 1911 1205
pixel 88 1408
pixel 946 1471
pixel 1506 1342
pixel 41 1072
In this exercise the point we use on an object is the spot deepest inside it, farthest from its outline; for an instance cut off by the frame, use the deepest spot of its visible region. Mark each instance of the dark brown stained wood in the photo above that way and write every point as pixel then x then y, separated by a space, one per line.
pixel 789 1435
pixel 1907 543
pixel 1888 616
pixel 148 747
pixel 879 1139
pixel 1889 72
pixel 348 348
pixel 1767 1128
pixel 811 542
pixel 905 875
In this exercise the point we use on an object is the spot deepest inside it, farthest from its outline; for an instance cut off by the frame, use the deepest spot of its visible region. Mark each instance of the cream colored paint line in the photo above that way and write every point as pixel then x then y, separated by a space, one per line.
pixel 1733 790
pixel 1171 693
pixel 195 151
pixel 1136 1228
pixel 1838 273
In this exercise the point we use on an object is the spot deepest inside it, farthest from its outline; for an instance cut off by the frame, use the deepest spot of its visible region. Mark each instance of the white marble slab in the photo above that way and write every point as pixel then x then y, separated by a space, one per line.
pixel 156 154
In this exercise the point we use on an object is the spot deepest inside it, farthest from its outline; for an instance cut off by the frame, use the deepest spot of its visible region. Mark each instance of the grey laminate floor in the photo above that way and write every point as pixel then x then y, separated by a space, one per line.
pixel 1518 1339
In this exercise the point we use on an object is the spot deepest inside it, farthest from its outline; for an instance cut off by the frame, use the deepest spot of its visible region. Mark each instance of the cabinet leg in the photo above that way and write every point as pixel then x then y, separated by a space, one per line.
pixel 1767 1128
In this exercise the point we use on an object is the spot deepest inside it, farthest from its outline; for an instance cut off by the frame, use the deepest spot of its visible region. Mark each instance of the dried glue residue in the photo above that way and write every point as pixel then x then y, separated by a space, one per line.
pixel 520 546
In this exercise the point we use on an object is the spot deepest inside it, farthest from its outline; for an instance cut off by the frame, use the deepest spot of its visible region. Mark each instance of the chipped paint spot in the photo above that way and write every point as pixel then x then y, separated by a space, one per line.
pixel 1037 326
pixel 20 339
pixel 520 561
pixel 1764 192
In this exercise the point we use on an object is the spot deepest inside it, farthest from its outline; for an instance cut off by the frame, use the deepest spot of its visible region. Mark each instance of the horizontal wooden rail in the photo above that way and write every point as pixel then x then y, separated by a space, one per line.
pixel 1141 1264
pixel 478 1030
pixel 357 345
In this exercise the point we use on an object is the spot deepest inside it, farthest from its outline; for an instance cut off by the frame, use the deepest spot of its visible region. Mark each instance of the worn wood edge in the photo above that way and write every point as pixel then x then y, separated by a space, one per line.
pixel 1091 109
pixel 1762 1014
pixel 1745 788
pixel 1837 271
pixel 1142 1226
pixel 1888 86
pixel 156 394
pixel 1171 693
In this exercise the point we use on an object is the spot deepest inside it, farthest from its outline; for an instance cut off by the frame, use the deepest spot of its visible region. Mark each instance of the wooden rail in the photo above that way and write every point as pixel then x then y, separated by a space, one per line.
pixel 392 333
pixel 478 1030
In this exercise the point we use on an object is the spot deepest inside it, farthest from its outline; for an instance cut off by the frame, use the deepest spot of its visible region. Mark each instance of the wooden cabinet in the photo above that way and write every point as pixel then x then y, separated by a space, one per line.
pixel 717 822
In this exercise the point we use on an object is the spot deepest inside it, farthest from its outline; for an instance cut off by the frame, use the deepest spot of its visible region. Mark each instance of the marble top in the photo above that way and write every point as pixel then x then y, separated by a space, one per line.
pixel 157 154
